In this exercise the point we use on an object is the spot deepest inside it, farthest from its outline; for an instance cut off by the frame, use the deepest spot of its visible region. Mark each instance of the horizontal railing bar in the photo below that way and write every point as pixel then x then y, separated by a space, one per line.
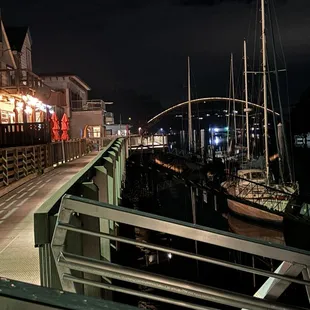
pixel 137 293
pixel 184 229
pixel 152 284
pixel 166 283
pixel 201 258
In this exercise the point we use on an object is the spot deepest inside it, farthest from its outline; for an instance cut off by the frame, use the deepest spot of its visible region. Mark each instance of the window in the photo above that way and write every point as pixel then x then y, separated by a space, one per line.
pixel 258 175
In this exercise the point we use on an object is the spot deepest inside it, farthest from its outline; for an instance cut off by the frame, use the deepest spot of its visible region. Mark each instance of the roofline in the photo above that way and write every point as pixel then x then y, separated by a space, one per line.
pixel 73 76
pixel 78 80
pixel 2 29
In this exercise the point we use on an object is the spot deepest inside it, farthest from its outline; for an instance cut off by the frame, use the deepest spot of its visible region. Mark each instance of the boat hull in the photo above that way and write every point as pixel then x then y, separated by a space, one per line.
pixel 246 210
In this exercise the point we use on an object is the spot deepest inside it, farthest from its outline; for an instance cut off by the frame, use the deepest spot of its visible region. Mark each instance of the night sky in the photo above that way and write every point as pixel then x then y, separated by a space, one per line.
pixel 129 48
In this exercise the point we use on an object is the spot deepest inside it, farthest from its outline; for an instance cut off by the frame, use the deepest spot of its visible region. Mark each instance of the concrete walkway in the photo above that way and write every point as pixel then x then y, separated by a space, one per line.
pixel 19 259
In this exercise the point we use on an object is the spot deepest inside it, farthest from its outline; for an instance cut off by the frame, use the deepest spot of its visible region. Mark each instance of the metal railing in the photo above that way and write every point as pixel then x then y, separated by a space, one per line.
pixel 101 179
pixel 75 269
pixel 21 78
pixel 272 198
pixel 147 142
pixel 15 295
pixel 87 105
pixel 24 134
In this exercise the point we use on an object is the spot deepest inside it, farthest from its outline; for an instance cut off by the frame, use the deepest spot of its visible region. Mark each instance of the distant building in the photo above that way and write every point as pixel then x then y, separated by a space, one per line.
pixel 118 130
pixel 109 118
pixel 69 91
pixel 86 117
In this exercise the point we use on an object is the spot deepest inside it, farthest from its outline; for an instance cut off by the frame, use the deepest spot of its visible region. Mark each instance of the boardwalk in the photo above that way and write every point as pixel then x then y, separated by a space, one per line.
pixel 19 260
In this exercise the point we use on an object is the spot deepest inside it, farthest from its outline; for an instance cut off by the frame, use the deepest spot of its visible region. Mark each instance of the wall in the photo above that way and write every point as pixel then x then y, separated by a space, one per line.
pixel 58 98
pixel 26 58
pixel 80 119
pixel 64 84
pixel 6 59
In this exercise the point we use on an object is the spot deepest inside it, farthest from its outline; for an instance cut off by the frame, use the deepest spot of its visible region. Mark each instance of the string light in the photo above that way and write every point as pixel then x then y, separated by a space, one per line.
pixel 28 109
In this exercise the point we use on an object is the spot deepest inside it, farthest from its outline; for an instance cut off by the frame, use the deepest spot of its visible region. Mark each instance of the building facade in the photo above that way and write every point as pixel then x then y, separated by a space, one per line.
pixel 22 93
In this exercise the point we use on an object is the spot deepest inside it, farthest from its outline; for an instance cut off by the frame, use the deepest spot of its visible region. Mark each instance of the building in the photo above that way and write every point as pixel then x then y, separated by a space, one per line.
pixel 69 91
pixel 86 117
pixel 22 93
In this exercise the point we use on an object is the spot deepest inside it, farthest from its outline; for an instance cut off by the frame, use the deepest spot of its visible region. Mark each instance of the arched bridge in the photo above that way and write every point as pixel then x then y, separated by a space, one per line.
pixel 203 100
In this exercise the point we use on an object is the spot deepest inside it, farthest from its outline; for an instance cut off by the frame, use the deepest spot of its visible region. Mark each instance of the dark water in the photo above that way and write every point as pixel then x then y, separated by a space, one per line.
pixel 142 193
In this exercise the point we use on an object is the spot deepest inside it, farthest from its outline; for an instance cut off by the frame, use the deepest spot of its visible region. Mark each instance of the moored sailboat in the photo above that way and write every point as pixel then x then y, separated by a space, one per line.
pixel 252 193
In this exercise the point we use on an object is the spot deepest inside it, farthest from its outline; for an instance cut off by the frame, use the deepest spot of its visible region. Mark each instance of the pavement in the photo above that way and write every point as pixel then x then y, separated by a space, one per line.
pixel 19 259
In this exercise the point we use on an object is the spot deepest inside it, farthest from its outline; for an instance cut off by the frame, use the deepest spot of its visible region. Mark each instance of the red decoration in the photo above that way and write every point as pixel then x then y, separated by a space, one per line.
pixel 55 127
pixel 64 128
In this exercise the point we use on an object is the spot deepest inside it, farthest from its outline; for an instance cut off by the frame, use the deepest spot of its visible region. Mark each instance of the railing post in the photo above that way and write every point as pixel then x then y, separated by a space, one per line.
pixel 33 160
pixel 91 244
pixel 25 165
pixel 16 170
pixel 40 160
pixel 5 169
pixel 46 156
pixel 80 148
pixel 101 181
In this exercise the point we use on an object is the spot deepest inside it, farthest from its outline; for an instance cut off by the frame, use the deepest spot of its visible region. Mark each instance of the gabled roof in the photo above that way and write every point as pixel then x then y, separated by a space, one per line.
pixel 65 74
pixel 5 40
pixel 16 36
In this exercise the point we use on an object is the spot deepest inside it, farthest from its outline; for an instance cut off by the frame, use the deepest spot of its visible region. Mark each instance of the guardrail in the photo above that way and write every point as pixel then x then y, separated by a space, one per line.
pixel 24 134
pixel 15 295
pixel 19 162
pixel 137 142
pixel 101 180
pixel 82 272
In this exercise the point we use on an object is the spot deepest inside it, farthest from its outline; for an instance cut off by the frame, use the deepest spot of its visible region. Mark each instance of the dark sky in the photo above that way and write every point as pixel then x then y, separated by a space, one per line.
pixel 137 46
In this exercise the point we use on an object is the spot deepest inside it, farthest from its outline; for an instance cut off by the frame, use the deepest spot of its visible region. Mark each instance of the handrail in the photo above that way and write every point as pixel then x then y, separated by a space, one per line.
pixel 20 295
pixel 66 261
pixel 41 231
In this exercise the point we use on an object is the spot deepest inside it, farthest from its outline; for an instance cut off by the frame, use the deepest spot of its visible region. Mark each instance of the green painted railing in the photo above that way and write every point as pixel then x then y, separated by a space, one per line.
pixel 100 180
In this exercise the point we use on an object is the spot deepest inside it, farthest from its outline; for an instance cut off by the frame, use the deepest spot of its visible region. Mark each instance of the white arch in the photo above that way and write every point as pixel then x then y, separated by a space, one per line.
pixel 206 99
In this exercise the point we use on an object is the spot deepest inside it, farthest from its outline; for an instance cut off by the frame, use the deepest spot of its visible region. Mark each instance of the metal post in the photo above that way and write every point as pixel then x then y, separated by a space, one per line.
pixel 63 151
pixel 246 110
pixel 265 88
pixel 194 141
pixel 281 146
pixel 202 142
pixel 233 96
pixel 190 125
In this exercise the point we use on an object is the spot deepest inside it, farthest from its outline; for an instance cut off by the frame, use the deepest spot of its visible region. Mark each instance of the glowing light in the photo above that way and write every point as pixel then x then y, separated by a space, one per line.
pixel 51 111
pixel 19 104
pixel 217 140
pixel 216 129
pixel 169 255
pixel 1 97
pixel 28 110
pixel 12 100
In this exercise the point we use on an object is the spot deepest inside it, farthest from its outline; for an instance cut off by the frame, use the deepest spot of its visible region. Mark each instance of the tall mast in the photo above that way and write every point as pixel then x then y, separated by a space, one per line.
pixel 190 124
pixel 229 111
pixel 233 94
pixel 247 110
pixel 265 87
